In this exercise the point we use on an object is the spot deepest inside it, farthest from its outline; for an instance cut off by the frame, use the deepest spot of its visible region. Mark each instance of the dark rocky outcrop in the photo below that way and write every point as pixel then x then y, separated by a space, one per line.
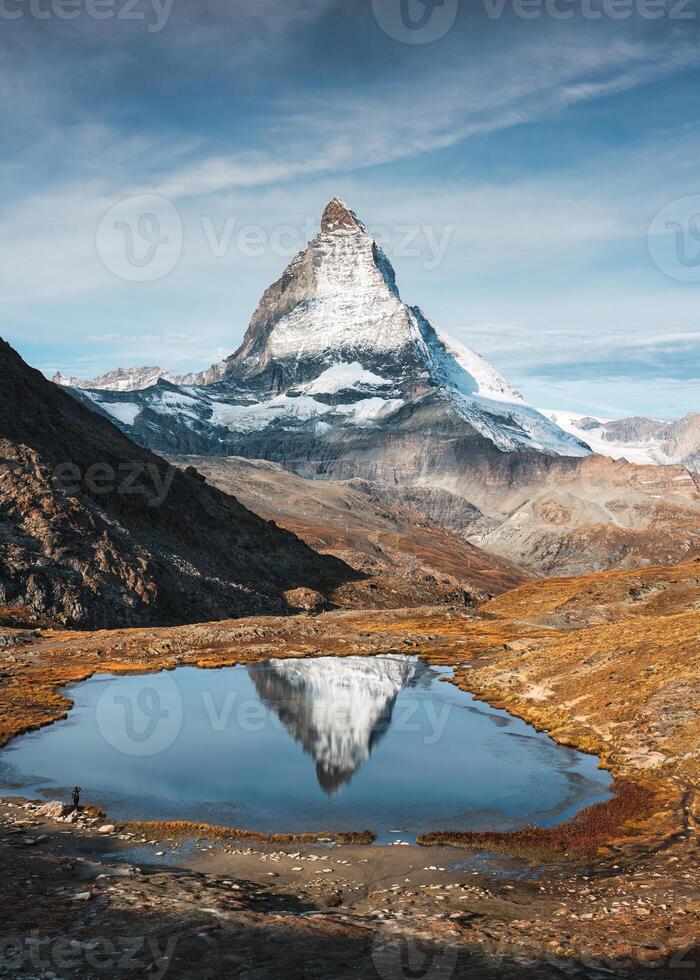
pixel 97 531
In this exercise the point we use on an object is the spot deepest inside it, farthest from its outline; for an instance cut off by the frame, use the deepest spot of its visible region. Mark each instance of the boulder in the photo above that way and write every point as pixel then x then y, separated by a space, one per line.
pixel 54 810
pixel 306 600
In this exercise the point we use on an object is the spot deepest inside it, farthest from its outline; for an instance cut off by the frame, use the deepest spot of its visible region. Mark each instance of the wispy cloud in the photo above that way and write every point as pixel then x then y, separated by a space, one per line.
pixel 352 130
pixel 562 353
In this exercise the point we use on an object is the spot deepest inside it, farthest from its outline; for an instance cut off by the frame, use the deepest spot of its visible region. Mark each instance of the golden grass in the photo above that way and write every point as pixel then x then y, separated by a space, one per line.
pixel 181 829
pixel 581 836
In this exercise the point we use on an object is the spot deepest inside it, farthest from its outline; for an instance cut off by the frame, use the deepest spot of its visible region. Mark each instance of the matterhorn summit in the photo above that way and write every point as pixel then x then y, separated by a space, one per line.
pixel 338 377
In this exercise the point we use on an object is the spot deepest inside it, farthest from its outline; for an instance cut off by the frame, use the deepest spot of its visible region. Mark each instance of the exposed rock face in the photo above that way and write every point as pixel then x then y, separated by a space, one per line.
pixel 447 509
pixel 333 367
pixel 97 531
pixel 337 216
pixel 596 515
pixel 638 440
pixel 682 440
pixel 55 810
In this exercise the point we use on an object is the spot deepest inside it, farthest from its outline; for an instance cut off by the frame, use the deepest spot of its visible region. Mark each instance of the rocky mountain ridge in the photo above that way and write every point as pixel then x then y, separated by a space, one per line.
pixel 140 378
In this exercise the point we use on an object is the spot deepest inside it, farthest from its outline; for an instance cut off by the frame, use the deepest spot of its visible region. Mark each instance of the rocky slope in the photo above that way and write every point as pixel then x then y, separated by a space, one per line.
pixel 595 515
pixel 97 531
pixel 637 440
pixel 369 526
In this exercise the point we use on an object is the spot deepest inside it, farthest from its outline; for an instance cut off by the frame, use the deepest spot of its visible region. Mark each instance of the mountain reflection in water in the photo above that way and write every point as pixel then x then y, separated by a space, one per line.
pixel 394 749
pixel 338 709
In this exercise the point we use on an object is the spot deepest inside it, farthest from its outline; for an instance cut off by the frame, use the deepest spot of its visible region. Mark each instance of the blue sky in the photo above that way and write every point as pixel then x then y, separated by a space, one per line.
pixel 512 168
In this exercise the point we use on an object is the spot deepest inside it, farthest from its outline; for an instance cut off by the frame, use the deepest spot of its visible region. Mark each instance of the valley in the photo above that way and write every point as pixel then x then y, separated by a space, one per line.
pixel 556 519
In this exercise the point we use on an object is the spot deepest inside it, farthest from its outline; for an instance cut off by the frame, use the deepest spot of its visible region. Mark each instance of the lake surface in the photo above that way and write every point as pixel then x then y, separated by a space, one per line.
pixel 384 743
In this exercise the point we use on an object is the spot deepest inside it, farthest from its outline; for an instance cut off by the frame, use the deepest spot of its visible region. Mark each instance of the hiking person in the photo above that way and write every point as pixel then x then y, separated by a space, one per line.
pixel 76 797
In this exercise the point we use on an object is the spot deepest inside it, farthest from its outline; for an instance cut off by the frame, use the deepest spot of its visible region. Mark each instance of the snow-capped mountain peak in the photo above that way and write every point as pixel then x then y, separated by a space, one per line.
pixel 333 354
pixel 140 378
pixel 123 379
pixel 338 302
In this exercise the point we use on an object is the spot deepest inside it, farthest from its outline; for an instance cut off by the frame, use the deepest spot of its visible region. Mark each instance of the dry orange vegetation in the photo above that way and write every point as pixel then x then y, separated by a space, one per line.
pixel 183 829
pixel 609 662
pixel 660 590
pixel 581 836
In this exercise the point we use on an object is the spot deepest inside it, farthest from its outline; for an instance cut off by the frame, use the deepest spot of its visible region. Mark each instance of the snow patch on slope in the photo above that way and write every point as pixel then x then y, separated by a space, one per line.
pixel 484 399
pixel 285 409
pixel 125 412
pixel 354 306
pixel 341 376
pixel 178 403
pixel 513 427
pixel 490 384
